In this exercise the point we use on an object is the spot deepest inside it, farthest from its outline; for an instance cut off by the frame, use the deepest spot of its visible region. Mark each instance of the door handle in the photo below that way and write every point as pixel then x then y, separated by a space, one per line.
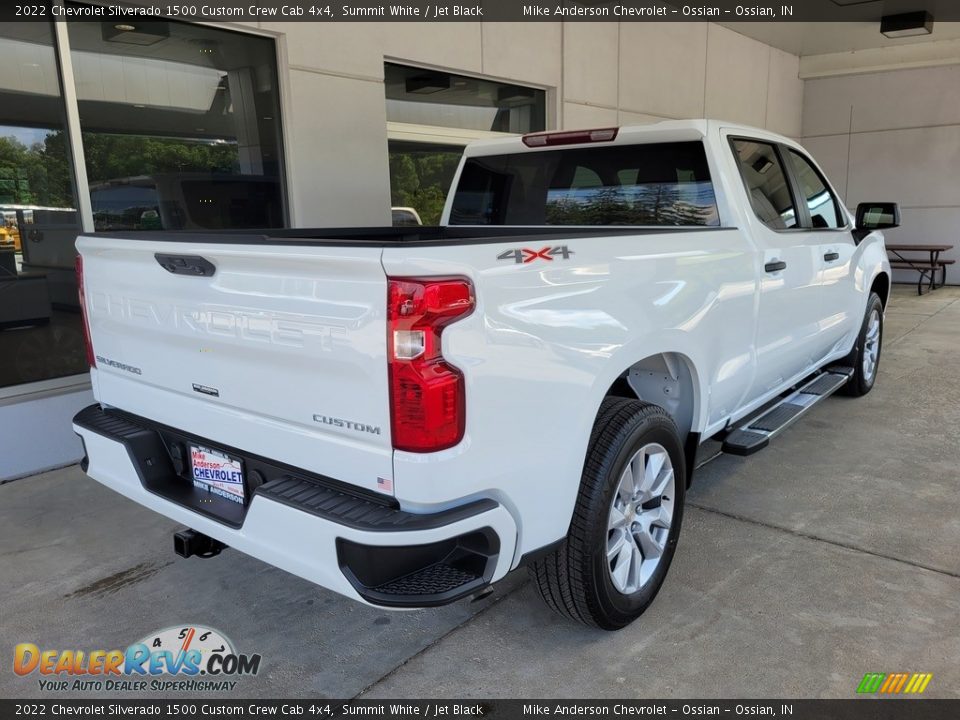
pixel 776 266
pixel 831 256
pixel 186 265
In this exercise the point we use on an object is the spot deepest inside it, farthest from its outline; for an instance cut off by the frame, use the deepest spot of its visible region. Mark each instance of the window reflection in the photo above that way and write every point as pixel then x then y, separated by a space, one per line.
pixel 420 176
pixel 41 335
pixel 180 126
pixel 646 184
pixel 766 183
pixel 429 97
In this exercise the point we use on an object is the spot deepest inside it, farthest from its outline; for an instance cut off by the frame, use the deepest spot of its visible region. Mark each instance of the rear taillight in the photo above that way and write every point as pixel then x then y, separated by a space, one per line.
pixel 427 396
pixel 91 359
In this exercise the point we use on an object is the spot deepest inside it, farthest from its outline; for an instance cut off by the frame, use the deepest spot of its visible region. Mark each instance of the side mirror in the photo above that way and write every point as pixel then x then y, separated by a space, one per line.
pixel 878 216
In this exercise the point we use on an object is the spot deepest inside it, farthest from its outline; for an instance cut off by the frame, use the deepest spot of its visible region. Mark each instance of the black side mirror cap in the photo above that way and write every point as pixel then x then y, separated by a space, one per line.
pixel 877 215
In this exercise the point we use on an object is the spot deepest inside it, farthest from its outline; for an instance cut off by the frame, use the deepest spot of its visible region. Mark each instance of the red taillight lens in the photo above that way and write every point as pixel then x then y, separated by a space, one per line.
pixel 427 396
pixel 91 359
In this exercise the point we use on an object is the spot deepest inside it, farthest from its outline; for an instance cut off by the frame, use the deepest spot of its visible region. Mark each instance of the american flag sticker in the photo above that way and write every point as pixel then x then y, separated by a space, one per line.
pixel 385 485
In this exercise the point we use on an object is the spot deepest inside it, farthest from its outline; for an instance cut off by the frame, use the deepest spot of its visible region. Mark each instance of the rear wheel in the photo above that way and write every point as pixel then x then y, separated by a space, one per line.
pixel 865 356
pixel 626 521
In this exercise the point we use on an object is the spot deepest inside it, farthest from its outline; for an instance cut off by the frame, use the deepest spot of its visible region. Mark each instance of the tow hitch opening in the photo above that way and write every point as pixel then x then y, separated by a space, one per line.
pixel 190 542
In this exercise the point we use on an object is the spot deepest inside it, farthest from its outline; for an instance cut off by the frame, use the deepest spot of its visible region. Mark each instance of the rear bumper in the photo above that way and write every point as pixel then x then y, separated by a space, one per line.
pixel 352 544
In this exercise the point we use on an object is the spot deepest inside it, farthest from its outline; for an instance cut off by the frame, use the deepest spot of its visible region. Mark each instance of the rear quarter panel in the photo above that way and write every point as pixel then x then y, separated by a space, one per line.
pixel 548 338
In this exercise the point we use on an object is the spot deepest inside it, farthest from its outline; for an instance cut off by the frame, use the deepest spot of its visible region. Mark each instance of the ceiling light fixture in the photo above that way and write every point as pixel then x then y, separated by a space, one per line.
pixel 427 84
pixel 907 24
pixel 146 34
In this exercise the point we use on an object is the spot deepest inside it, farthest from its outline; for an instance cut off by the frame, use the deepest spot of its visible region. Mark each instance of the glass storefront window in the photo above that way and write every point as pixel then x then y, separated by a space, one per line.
pixel 41 335
pixel 420 102
pixel 180 125
pixel 429 97
pixel 420 176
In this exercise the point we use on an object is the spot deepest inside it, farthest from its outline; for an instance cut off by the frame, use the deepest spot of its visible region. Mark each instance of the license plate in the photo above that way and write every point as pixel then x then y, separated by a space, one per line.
pixel 217 473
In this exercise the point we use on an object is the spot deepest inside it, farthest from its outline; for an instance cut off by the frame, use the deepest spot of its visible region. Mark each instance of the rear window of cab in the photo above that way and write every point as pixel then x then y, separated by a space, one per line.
pixel 643 184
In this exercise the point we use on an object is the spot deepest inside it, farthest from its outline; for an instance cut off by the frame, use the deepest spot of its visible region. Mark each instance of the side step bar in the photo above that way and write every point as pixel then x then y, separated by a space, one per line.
pixel 755 434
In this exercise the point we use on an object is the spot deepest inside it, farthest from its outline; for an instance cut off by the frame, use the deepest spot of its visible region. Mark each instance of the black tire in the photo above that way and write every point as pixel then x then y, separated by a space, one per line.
pixel 575 579
pixel 861 383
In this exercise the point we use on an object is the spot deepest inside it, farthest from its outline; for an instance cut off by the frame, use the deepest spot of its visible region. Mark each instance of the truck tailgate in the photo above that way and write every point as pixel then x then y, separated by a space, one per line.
pixel 279 350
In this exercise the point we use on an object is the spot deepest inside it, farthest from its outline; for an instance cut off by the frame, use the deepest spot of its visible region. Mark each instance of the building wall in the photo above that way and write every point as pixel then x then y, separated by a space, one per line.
pixel 893 136
pixel 597 74
pixel 37 435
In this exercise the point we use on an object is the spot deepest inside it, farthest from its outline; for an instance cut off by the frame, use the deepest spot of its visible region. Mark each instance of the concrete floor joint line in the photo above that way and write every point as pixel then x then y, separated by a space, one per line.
pixel 816 538
pixel 927 318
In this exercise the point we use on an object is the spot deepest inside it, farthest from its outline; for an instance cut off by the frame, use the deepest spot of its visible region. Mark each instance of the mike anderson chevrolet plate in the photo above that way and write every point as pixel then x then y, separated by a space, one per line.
pixel 217 472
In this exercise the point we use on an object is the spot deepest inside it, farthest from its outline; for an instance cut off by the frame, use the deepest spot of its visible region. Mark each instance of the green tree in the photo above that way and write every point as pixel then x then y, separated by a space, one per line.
pixel 421 179
pixel 111 157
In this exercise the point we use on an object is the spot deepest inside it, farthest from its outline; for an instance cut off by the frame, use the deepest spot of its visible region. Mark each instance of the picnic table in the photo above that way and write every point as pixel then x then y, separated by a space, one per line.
pixel 927 267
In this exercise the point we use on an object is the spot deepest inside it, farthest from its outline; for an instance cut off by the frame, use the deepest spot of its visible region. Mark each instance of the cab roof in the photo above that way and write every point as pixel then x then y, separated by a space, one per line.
pixel 664 131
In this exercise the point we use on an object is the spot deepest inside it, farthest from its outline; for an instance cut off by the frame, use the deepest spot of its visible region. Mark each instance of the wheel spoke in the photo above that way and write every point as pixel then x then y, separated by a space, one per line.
pixel 646 570
pixel 615 544
pixel 617 518
pixel 637 465
pixel 654 466
pixel 663 481
pixel 620 572
pixel 660 517
pixel 649 545
pixel 636 561
pixel 625 488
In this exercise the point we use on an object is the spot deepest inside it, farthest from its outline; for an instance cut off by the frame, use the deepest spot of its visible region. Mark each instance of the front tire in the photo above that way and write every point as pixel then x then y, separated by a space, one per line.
pixel 865 356
pixel 626 521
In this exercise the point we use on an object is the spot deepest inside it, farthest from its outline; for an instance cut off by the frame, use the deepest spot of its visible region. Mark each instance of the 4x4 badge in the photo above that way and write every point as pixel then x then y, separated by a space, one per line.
pixel 526 255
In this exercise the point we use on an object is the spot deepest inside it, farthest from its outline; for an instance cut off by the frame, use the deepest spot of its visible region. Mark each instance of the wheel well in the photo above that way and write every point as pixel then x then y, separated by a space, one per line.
pixel 881 286
pixel 666 380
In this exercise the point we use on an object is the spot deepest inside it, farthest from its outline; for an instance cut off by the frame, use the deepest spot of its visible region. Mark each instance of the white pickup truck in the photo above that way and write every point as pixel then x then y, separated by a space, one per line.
pixel 405 415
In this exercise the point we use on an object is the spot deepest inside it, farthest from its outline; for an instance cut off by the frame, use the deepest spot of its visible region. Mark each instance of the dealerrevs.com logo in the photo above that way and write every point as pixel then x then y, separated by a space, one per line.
pixel 182 658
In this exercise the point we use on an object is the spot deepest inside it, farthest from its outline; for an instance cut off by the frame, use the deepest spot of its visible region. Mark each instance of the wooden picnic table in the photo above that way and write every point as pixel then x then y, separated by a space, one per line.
pixel 926 267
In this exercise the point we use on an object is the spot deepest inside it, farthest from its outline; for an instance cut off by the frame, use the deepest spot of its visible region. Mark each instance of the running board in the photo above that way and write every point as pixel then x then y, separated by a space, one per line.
pixel 756 433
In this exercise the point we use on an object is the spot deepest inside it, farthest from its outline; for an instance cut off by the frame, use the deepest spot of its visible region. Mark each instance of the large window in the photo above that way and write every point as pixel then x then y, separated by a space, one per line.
pixel 428 97
pixel 41 335
pixel 181 126
pixel 647 184
pixel 431 115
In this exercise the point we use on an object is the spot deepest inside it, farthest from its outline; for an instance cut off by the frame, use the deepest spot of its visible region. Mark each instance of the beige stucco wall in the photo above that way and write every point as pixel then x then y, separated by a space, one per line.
pixel 893 136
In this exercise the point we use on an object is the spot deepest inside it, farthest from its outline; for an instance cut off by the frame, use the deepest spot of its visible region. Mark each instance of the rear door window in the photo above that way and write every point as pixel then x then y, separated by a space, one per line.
pixel 766 183
pixel 646 184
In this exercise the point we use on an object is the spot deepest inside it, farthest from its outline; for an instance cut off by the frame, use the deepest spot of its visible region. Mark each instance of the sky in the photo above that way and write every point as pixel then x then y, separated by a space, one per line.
pixel 28 136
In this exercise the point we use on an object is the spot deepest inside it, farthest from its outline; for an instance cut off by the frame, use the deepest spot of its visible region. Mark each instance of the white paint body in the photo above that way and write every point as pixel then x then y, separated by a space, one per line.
pixel 285 333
